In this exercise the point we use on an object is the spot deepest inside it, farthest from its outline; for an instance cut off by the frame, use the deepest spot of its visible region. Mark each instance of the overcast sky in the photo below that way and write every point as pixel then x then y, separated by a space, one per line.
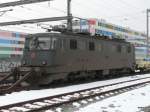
pixel 127 13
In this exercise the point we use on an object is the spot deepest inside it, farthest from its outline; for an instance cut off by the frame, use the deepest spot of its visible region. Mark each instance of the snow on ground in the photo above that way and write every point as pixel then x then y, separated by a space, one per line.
pixel 131 101
pixel 34 94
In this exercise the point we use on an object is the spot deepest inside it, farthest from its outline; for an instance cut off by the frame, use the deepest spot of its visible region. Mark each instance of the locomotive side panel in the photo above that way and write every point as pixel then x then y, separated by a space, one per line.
pixel 69 54
pixel 102 55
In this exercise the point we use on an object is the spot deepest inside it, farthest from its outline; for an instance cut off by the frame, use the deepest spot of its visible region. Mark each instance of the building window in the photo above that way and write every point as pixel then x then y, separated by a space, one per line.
pixel 13 34
pixel 73 44
pixel 91 46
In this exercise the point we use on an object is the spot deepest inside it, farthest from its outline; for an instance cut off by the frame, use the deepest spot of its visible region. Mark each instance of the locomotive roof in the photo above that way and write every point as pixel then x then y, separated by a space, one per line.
pixel 78 35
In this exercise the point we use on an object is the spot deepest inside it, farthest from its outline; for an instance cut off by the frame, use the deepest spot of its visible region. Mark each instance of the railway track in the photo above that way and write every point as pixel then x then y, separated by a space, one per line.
pixel 9 86
pixel 96 93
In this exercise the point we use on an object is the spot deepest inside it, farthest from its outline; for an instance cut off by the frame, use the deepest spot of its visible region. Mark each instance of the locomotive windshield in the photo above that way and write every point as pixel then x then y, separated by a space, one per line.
pixel 41 43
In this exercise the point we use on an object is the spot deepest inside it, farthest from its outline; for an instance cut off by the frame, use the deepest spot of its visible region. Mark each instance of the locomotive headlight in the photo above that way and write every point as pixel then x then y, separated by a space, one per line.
pixel 44 62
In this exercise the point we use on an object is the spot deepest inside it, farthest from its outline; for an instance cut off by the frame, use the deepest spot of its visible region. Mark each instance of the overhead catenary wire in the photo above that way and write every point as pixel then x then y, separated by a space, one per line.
pixel 21 26
pixel 129 15
pixel 29 9
pixel 44 7
pixel 108 4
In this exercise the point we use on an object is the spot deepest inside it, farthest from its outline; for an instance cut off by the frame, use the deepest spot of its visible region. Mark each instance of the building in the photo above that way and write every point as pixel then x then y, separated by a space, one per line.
pixel 11 44
pixel 11 49
pixel 101 27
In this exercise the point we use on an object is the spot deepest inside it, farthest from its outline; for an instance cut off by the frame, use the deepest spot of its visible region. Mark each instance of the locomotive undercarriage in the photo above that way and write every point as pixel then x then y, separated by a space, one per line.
pixel 42 76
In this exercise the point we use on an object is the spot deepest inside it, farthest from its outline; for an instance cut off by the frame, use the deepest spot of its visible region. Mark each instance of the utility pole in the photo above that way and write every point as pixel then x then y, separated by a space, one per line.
pixel 69 20
pixel 147 28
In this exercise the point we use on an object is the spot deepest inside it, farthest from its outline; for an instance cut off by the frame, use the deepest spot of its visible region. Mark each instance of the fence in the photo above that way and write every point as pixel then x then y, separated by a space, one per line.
pixel 7 64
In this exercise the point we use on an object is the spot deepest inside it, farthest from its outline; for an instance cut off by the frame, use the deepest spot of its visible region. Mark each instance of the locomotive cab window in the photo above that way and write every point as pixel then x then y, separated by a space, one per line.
pixel 91 46
pixel 42 43
pixel 39 43
pixel 73 44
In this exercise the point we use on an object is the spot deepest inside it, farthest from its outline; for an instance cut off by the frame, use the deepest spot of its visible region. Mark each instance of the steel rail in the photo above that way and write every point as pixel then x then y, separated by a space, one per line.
pixel 118 90
pixel 73 99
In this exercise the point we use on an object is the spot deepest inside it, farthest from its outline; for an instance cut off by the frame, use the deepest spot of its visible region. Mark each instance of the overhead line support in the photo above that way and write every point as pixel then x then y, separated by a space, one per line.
pixel 69 20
